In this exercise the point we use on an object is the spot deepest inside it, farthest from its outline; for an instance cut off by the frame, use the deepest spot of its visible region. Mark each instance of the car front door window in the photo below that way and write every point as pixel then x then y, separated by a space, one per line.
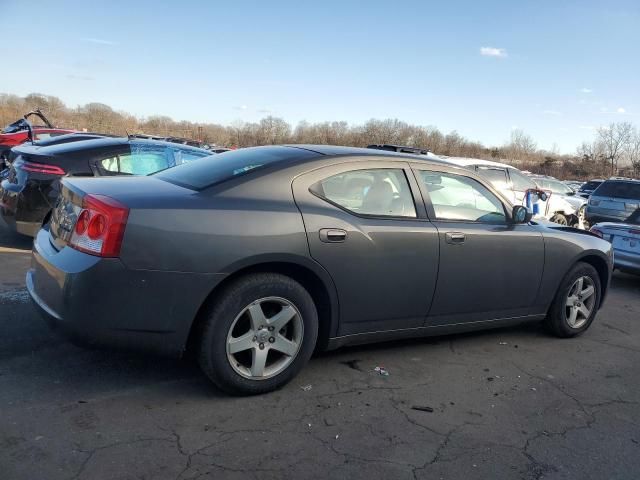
pixel 459 198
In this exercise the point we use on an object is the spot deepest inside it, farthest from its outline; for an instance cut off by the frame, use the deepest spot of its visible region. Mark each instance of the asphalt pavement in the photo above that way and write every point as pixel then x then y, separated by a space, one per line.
pixel 510 403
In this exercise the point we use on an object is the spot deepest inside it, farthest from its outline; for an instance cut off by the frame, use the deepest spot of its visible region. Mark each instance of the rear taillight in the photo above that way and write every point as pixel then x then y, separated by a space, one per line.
pixel 597 232
pixel 41 168
pixel 100 226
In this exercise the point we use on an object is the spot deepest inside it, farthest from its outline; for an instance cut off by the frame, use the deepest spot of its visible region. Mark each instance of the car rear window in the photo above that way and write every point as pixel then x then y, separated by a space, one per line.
pixel 612 188
pixel 590 185
pixel 215 169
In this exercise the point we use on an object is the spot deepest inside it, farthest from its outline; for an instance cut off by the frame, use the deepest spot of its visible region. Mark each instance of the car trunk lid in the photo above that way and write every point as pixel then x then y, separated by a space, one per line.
pixel 131 192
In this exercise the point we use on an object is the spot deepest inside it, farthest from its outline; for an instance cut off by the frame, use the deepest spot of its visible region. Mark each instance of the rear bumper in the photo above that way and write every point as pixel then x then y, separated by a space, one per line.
pixel 597 215
pixel 99 302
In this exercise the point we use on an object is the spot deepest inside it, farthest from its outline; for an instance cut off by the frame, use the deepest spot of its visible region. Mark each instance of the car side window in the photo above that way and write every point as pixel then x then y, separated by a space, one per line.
pixel 497 176
pixel 379 192
pixel 460 198
pixel 141 161
pixel 520 182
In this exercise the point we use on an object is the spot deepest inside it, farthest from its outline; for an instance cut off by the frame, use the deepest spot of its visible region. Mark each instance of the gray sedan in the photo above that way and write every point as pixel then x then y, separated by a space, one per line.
pixel 257 257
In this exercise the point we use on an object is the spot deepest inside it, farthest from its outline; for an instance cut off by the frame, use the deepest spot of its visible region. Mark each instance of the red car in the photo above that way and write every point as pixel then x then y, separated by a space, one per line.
pixel 19 132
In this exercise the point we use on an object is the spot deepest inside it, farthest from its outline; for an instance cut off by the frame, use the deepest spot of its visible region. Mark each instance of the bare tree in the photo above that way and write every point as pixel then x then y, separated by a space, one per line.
pixel 613 139
pixel 521 145
pixel 632 151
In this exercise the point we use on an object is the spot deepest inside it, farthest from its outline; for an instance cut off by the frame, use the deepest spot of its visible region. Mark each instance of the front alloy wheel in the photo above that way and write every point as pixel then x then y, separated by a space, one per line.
pixel 576 302
pixel 580 302
pixel 265 338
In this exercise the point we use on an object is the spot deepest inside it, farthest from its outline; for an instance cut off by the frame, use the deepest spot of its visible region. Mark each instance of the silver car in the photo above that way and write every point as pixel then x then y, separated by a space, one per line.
pixel 615 200
pixel 560 189
pixel 625 238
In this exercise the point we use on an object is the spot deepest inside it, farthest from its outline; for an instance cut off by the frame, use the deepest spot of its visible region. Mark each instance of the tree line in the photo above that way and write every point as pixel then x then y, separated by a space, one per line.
pixel 614 150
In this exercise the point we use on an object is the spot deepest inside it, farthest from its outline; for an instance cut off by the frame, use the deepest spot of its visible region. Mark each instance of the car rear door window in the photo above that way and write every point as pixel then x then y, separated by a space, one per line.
pixel 377 192
pixel 460 198
pixel 141 160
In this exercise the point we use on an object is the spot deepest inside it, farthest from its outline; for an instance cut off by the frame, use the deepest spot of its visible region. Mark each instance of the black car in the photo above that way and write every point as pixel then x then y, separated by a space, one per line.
pixel 28 191
pixel 588 188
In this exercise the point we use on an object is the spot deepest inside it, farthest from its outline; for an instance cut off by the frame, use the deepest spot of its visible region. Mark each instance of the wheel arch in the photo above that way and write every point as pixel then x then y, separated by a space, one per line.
pixel 600 263
pixel 305 271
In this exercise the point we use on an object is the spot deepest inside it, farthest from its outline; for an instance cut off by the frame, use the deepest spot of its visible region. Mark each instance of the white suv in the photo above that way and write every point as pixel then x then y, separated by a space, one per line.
pixel 513 184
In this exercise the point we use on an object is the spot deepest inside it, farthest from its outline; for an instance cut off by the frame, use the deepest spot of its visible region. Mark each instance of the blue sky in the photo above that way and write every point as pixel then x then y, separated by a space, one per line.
pixel 556 69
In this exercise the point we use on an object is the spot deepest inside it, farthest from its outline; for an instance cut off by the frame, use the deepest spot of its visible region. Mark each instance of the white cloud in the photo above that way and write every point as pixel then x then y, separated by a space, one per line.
pixel 100 41
pixel 552 112
pixel 586 90
pixel 621 110
pixel 493 52
pixel 240 107
pixel 264 110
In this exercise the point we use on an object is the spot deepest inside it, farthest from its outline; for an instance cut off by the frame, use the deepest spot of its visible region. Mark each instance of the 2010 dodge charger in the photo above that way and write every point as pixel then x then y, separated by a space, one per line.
pixel 259 256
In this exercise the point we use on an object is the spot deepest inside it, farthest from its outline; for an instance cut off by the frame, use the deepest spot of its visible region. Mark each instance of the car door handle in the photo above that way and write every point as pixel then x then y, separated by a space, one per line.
pixel 332 235
pixel 455 238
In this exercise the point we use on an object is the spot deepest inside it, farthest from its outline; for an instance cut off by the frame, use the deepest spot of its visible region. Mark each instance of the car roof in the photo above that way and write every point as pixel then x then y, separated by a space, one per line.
pixel 337 150
pixel 466 162
pixel 98 143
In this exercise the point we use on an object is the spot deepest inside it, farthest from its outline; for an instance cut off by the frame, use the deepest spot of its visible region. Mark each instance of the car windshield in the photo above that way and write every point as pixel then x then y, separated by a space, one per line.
pixel 215 169
pixel 618 189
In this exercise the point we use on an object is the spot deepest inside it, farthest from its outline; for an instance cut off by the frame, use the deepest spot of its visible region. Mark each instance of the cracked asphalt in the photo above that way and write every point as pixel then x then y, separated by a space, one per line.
pixel 511 403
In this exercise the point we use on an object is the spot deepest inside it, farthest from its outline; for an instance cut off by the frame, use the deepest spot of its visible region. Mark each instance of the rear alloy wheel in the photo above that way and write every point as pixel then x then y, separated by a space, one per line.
pixel 576 302
pixel 258 334
pixel 264 338
pixel 560 219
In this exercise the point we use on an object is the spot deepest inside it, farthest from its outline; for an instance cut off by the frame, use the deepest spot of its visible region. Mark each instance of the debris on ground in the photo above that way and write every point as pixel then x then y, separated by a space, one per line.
pixel 422 409
pixel 306 388
pixel 502 343
pixel 382 371
pixel 489 379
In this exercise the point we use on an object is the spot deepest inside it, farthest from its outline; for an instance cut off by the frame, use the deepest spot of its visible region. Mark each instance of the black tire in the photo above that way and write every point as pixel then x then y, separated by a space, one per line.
pixel 560 219
pixel 557 320
pixel 220 319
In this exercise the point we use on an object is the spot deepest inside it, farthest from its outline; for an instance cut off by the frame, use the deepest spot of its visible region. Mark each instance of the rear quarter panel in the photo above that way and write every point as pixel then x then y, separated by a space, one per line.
pixel 216 231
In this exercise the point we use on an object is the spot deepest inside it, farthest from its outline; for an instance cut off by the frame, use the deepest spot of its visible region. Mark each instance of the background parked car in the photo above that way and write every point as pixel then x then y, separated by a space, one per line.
pixel 625 238
pixel 513 184
pixel 573 184
pixel 613 201
pixel 560 189
pixel 588 187
pixel 31 186
pixel 18 132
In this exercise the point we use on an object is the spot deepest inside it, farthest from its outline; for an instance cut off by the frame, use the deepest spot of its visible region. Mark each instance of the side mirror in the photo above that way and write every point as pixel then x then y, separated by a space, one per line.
pixel 571 193
pixel 520 214
pixel 543 195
